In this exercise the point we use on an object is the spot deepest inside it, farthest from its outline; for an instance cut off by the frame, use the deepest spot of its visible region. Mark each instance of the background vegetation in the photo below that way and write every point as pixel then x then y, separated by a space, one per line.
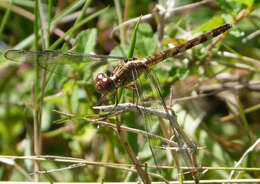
pixel 213 88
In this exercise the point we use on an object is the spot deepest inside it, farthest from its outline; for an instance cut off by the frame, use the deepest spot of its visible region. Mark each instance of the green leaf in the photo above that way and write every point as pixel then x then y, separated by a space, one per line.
pixel 68 87
pixel 211 24
pixel 182 73
pixel 55 99
pixel 231 6
pixel 145 43
pixel 133 39
pixel 227 17
pixel 246 2
pixel 120 50
pixel 225 5
pixel 77 26
pixel 86 41
pixel 235 31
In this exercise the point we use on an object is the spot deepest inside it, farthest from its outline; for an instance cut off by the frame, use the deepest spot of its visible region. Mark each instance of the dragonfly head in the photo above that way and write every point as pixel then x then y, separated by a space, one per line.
pixel 104 84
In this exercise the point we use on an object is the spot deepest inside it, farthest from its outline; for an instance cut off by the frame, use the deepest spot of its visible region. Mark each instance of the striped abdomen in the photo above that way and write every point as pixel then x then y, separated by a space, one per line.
pixel 154 59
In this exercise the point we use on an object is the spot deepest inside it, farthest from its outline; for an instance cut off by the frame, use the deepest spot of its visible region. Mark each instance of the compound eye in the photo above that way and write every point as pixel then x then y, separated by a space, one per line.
pixel 100 76
pixel 103 83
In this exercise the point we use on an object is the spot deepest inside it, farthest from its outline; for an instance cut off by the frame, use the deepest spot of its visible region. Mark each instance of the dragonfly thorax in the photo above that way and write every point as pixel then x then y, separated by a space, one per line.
pixel 104 84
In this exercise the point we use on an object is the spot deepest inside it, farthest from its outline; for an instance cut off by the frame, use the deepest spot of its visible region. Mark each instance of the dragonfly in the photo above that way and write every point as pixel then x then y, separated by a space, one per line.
pixel 120 76
pixel 125 73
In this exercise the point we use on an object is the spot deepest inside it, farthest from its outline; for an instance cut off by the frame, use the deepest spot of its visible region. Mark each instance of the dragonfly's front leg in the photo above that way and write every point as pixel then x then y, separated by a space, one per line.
pixel 131 87
pixel 111 112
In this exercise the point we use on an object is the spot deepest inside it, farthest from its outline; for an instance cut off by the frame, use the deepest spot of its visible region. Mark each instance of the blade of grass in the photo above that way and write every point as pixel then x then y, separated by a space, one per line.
pixel 247 130
pixel 50 9
pixel 133 39
pixel 45 22
pixel 244 120
pixel 130 53
pixel 67 11
pixel 5 18
pixel 82 13
pixel 36 122
pixel 54 22
pixel 120 21
pixel 43 25
pixel 77 26
pixel 36 25
pixel 24 43
pixel 26 3
pixel 45 38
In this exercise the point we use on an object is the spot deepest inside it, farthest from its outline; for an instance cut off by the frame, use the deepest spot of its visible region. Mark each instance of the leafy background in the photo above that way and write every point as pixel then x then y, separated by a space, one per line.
pixel 222 115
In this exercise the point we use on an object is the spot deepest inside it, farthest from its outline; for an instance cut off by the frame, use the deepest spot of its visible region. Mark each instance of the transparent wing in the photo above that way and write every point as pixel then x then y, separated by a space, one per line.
pixel 153 126
pixel 184 142
pixel 54 57
pixel 149 123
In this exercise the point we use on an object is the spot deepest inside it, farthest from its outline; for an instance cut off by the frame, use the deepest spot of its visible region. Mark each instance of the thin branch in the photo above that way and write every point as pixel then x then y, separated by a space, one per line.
pixel 252 86
pixel 255 62
pixel 60 169
pixel 236 66
pixel 251 36
pixel 170 13
pixel 102 164
pixel 244 156
pixel 12 162
pixel 175 182
pixel 142 173
pixel 123 167
pixel 124 128
pixel 79 163
pixel 126 107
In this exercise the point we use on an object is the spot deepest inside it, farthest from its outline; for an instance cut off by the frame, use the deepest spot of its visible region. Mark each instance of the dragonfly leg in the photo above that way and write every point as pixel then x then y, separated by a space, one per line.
pixel 133 89
pixel 110 113
pixel 130 87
